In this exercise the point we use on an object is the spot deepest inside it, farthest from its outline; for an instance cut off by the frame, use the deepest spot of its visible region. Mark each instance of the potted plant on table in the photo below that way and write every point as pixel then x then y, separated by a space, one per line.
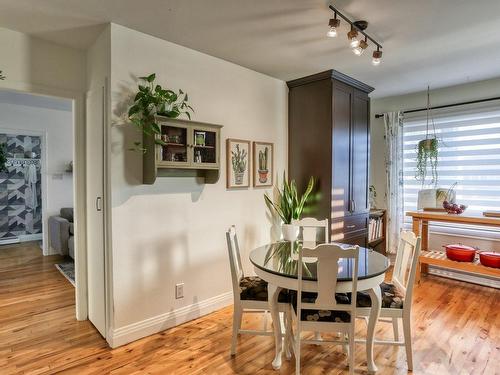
pixel 289 206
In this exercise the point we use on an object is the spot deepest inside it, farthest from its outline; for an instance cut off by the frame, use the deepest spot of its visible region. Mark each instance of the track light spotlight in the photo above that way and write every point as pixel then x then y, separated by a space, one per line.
pixel 334 24
pixel 377 57
pixel 358 51
pixel 353 37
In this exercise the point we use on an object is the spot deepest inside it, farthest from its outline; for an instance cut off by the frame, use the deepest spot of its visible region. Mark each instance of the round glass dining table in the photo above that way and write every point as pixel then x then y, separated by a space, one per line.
pixel 277 263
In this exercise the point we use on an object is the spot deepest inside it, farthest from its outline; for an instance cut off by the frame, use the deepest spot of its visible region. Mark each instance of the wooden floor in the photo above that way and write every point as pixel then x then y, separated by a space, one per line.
pixel 456 331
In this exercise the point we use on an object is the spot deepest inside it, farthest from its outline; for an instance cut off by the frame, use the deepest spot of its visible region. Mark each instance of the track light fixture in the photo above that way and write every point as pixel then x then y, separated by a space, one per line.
pixel 356 41
pixel 334 24
pixel 377 57
pixel 358 51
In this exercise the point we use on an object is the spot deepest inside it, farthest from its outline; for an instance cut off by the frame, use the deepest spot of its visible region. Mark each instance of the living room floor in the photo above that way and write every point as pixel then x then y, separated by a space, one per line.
pixel 456 331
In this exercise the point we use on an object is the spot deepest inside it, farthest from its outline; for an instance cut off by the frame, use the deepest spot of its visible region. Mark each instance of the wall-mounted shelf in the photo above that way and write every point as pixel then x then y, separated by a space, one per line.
pixel 180 156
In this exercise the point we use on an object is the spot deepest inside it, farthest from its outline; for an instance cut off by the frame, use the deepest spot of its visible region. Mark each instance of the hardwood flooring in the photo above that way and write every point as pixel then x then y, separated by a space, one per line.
pixel 456 331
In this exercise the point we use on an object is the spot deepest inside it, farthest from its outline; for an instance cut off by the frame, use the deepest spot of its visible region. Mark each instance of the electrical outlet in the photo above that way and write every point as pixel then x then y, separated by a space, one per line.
pixel 179 290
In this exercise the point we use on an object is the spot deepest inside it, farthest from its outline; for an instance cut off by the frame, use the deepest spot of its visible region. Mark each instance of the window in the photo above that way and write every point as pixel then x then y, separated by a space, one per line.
pixel 469 154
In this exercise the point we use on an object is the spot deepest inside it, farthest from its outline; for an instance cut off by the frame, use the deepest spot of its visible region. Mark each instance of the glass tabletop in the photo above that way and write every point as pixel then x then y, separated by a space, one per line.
pixel 280 258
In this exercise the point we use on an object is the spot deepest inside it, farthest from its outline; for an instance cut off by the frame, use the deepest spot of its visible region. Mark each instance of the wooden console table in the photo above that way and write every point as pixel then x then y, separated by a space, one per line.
pixel 421 221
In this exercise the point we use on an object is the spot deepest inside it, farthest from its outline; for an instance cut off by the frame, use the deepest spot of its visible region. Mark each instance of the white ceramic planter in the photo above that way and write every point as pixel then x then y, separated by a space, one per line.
pixel 290 232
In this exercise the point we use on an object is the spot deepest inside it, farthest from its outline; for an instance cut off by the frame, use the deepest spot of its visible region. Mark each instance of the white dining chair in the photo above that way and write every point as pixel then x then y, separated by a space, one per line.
pixel 397 294
pixel 310 228
pixel 250 294
pixel 324 311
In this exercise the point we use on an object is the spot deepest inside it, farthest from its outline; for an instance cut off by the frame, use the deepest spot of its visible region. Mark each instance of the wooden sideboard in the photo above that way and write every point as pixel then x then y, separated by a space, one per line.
pixel 428 257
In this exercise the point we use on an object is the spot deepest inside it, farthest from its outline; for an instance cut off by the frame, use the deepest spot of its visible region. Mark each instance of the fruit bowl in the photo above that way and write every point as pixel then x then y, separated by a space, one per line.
pixel 453 208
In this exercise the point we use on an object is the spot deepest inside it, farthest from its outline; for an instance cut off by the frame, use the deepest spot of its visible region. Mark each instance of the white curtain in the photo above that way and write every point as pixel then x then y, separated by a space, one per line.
pixel 394 171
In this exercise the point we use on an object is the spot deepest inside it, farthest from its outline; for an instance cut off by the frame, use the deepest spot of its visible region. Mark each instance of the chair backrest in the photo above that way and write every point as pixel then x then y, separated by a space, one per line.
pixel 234 260
pixel 310 227
pixel 405 266
pixel 327 256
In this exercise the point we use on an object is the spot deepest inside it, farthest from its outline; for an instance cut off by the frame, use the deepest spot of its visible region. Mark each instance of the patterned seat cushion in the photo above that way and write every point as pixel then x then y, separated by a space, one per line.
pixel 392 298
pixel 321 315
pixel 253 288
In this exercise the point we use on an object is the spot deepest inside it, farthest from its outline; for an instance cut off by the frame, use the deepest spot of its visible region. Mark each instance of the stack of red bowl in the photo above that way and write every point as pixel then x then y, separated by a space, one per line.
pixel 460 253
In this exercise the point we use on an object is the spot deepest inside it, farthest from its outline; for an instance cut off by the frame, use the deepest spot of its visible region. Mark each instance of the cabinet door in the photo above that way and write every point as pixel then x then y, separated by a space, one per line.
pixel 360 146
pixel 204 147
pixel 360 239
pixel 342 97
pixel 175 151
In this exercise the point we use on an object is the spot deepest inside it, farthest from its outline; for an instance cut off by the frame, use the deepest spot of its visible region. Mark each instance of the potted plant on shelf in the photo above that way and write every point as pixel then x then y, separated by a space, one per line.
pixel 289 206
pixel 427 150
pixel 152 100
pixel 239 163
pixel 263 171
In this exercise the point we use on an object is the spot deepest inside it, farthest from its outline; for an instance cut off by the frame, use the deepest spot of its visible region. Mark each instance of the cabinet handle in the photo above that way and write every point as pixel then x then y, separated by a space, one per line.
pixel 98 204
pixel 350 226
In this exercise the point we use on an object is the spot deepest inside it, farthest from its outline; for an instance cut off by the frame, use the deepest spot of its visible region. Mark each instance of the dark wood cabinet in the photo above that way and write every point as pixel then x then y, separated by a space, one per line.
pixel 329 138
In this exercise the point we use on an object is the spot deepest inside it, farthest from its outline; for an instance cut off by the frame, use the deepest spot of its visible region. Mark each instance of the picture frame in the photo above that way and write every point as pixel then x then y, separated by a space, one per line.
pixel 238 159
pixel 199 138
pixel 263 164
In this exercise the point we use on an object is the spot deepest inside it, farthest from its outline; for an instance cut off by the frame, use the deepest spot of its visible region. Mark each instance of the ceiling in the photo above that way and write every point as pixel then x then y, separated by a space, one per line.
pixel 435 42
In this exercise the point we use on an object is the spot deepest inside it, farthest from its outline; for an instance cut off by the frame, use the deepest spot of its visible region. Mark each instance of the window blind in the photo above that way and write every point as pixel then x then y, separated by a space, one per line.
pixel 469 154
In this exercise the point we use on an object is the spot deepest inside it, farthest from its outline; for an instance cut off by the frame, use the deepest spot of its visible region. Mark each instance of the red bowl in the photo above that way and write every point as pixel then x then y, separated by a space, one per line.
pixel 460 253
pixel 490 259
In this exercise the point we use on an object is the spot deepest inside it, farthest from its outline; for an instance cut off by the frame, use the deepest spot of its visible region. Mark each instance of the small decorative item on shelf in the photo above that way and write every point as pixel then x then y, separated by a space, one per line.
pixel 197 157
pixel 238 163
pixel 263 164
pixel 373 196
pixel 199 138
pixel 69 167
pixel 289 206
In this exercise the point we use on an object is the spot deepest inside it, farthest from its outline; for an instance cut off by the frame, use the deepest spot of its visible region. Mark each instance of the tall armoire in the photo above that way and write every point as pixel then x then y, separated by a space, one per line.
pixel 329 138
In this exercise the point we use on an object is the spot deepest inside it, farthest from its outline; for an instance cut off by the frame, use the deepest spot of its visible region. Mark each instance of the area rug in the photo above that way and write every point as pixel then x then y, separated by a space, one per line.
pixel 68 270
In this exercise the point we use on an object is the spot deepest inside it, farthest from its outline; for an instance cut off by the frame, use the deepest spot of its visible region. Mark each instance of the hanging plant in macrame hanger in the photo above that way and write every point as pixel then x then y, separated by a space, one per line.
pixel 427 150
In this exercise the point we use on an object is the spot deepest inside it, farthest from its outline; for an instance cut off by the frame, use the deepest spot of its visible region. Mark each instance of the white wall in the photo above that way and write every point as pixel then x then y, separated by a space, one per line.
pixel 32 61
pixel 174 231
pixel 55 123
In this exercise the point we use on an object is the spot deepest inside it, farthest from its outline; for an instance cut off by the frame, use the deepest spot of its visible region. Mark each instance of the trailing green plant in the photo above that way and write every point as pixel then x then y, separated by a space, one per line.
pixel 427 156
pixel 427 149
pixel 239 160
pixel 3 158
pixel 263 160
pixel 151 100
pixel 289 206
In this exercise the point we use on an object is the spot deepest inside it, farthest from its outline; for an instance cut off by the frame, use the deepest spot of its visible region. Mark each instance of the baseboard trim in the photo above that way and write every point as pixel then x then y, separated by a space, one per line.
pixel 124 335
pixel 465 276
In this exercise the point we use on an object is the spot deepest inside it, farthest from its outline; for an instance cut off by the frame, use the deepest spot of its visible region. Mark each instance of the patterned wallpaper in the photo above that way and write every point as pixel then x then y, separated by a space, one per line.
pixel 16 216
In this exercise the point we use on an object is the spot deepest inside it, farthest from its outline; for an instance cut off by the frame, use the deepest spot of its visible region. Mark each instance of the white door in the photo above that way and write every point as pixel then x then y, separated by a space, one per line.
pixel 95 209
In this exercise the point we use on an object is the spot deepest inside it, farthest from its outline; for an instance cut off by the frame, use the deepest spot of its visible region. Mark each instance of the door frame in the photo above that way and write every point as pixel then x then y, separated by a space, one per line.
pixel 79 188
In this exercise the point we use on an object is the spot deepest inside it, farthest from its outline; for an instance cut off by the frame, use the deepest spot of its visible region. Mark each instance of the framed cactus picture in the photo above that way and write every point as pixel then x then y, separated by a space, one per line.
pixel 237 163
pixel 263 164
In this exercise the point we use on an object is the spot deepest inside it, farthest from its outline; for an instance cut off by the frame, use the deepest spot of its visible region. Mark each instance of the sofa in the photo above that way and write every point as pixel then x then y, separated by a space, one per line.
pixel 62 232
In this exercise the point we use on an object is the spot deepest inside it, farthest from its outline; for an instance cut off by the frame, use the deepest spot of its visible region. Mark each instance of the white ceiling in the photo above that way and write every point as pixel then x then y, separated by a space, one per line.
pixel 436 42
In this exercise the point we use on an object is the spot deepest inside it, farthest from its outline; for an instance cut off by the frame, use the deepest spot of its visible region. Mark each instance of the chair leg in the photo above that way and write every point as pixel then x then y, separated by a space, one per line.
pixel 351 351
pixel 297 356
pixel 345 346
pixel 407 335
pixel 395 328
pixel 237 313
